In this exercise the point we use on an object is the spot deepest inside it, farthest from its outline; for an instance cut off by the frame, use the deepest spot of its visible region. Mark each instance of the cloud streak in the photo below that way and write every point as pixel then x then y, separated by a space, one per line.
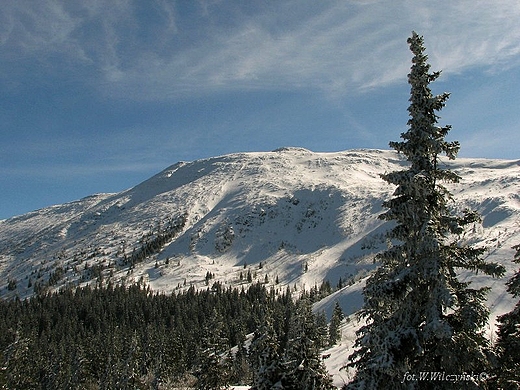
pixel 336 48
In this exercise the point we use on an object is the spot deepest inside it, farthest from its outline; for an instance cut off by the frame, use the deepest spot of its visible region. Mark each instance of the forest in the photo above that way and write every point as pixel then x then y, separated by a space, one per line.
pixel 127 337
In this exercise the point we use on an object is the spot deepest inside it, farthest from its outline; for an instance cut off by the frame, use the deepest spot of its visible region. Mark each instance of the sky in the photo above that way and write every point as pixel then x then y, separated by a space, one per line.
pixel 97 96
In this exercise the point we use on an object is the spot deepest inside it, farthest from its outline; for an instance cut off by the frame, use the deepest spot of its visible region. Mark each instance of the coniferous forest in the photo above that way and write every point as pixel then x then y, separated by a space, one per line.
pixel 129 337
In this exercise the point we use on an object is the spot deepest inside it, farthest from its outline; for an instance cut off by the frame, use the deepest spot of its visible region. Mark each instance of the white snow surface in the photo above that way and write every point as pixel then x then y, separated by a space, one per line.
pixel 291 214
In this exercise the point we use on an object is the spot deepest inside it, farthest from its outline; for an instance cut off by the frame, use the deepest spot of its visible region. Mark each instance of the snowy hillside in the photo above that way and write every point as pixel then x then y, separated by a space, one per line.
pixel 289 217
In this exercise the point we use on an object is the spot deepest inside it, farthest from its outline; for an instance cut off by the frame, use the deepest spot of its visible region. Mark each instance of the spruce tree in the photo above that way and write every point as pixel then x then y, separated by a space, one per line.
pixel 264 355
pixel 214 367
pixel 420 316
pixel 302 365
pixel 18 365
pixel 508 343
pixel 335 323
pixel 322 330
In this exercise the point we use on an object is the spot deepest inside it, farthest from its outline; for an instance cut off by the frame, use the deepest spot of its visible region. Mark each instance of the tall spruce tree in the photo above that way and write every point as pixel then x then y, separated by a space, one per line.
pixel 508 343
pixel 420 316
pixel 214 367
pixel 264 354
pixel 302 364
pixel 335 323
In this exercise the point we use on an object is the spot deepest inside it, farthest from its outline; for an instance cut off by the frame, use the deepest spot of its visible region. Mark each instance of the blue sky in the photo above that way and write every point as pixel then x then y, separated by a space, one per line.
pixel 98 95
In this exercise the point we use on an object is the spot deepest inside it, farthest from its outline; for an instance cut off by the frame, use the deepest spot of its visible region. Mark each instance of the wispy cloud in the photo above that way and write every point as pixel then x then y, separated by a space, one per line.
pixel 466 33
pixel 350 46
pixel 334 47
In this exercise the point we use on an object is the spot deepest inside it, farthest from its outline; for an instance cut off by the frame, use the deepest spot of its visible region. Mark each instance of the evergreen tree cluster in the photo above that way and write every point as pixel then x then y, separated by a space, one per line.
pixel 119 337
pixel 285 351
pixel 153 243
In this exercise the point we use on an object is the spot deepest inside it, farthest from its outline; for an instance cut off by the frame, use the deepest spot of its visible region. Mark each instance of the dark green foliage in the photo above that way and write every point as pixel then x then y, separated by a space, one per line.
pixel 322 330
pixel 127 337
pixel 11 284
pixel 301 364
pixel 208 277
pixel 19 373
pixel 214 362
pixel 56 276
pixel 420 316
pixel 335 323
pixel 264 354
pixel 316 293
pixel 153 243
pixel 241 371
pixel 508 343
pixel 289 357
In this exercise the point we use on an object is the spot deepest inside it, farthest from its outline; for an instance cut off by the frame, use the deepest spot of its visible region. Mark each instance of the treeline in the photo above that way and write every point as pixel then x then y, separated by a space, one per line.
pixel 120 337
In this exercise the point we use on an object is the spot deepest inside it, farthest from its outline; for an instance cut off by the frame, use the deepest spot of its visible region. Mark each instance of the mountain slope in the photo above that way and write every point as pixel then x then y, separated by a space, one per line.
pixel 302 217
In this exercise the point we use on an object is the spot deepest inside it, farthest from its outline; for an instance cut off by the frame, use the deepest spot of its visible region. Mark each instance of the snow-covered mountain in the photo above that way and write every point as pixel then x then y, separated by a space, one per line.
pixel 289 217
